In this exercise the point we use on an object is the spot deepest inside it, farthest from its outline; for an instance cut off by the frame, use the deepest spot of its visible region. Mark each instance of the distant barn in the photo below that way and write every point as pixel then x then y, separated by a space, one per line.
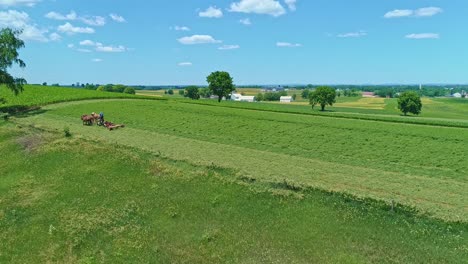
pixel 242 98
pixel 368 94
pixel 286 99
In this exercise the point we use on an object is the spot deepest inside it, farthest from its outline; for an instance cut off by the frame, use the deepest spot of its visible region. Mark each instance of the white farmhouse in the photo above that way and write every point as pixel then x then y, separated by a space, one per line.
pixel 457 95
pixel 242 98
pixel 286 99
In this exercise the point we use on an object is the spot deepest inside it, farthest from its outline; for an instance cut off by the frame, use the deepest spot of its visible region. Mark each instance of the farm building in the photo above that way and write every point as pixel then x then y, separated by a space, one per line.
pixel 368 94
pixel 286 99
pixel 242 98
pixel 457 95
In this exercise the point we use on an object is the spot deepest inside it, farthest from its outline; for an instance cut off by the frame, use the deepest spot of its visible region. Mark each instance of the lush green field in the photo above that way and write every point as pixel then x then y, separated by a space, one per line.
pixel 36 95
pixel 197 181
pixel 380 160
pixel 76 200
pixel 158 93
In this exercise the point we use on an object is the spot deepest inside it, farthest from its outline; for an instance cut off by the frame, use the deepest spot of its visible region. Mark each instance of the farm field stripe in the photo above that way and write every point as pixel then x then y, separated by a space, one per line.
pixel 442 198
pixel 357 116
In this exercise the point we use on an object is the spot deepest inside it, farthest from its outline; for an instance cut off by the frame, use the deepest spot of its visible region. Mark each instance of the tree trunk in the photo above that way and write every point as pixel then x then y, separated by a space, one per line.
pixel 219 99
pixel 323 107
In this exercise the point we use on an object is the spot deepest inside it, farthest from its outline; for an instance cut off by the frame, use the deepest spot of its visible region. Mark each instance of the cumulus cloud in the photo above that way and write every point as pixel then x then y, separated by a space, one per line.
pixel 245 21
pixel 103 48
pixel 57 16
pixel 185 64
pixel 288 45
pixel 87 43
pixel 356 34
pixel 55 37
pixel 211 12
pixel 421 12
pixel 181 28
pixel 70 29
pixel 423 36
pixel 72 16
pixel 94 20
pixel 96 60
pixel 198 39
pixel 8 3
pixel 291 4
pixel 229 47
pixel 21 20
pixel 399 13
pixel 117 18
pixel 427 11
pixel 267 7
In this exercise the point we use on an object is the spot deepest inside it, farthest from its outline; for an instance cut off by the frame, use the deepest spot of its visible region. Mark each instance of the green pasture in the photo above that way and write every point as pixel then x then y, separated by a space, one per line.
pixel 36 95
pixel 205 182
pixel 83 200
pixel 370 159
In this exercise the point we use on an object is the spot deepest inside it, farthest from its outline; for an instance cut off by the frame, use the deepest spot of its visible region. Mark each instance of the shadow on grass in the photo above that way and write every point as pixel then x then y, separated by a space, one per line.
pixel 20 111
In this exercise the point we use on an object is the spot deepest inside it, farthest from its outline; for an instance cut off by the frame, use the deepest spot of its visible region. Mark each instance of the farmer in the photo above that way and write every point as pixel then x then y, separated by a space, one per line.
pixel 101 118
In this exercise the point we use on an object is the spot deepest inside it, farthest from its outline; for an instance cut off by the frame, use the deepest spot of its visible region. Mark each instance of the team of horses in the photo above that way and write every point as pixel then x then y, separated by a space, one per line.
pixel 89 120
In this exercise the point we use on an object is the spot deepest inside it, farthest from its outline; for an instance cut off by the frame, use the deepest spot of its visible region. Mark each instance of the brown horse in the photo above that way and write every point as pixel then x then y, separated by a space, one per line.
pixel 87 120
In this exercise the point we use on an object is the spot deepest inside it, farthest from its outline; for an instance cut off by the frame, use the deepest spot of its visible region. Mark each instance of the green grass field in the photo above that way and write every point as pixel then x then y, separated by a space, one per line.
pixel 36 95
pixel 201 182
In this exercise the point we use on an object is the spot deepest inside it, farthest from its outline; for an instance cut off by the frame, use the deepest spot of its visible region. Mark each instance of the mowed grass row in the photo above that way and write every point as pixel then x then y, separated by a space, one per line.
pixel 439 112
pixel 36 95
pixel 71 200
pixel 418 166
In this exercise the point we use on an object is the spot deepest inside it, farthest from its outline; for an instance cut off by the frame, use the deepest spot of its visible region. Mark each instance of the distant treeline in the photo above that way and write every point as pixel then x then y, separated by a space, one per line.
pixel 117 88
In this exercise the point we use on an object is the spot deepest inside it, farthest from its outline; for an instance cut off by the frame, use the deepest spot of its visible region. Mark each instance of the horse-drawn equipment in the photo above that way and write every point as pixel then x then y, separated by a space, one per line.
pixel 89 120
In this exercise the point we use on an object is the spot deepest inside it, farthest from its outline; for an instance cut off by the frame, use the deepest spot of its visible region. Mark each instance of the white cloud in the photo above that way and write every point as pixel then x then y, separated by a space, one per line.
pixel 117 18
pixel 57 16
pixel 356 34
pixel 211 12
pixel 423 36
pixel 87 43
pixel 245 21
pixel 198 39
pixel 181 28
pixel 185 64
pixel 268 7
pixel 288 45
pixel 71 46
pixel 19 2
pixel 101 47
pixel 55 37
pixel 229 47
pixel 427 11
pixel 21 20
pixel 70 29
pixel 72 16
pixel 421 12
pixel 291 4
pixel 399 13
pixel 84 50
pixel 96 60
pixel 94 20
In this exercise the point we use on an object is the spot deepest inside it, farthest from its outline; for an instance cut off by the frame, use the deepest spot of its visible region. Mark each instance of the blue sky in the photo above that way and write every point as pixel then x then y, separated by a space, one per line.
pixel 177 42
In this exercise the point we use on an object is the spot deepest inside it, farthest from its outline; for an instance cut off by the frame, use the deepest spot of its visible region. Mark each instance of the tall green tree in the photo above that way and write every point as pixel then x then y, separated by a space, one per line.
pixel 220 84
pixel 322 96
pixel 10 43
pixel 410 102
pixel 192 92
pixel 305 94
